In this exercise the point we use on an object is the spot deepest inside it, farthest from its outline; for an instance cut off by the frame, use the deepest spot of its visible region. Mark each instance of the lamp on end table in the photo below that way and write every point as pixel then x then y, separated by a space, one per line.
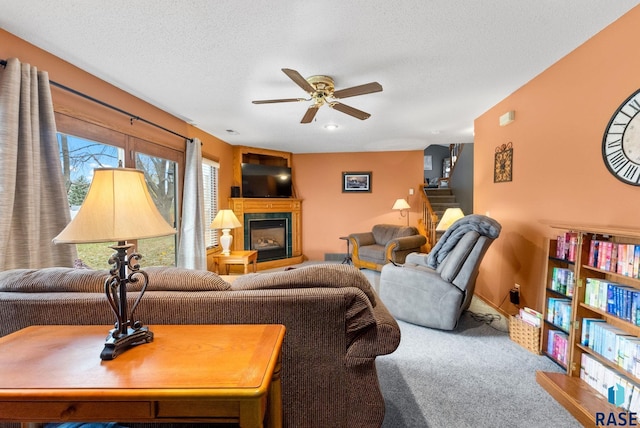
pixel 118 208
pixel 225 220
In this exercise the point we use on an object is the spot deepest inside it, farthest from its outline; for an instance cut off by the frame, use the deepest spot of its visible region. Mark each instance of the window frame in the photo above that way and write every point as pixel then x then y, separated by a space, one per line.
pixel 131 145
pixel 216 202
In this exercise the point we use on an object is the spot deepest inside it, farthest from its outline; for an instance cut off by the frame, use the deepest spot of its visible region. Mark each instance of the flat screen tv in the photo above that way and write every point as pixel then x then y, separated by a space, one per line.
pixel 265 181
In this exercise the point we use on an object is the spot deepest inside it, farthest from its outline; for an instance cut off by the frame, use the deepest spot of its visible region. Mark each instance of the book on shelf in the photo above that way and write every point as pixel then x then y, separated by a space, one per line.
pixel 602 378
pixel 620 258
pixel 604 261
pixel 557 343
pixel 585 334
pixel 566 246
pixel 616 299
pixel 594 245
pixel 621 263
pixel 631 251
pixel 559 312
pixel 562 281
pixel 606 340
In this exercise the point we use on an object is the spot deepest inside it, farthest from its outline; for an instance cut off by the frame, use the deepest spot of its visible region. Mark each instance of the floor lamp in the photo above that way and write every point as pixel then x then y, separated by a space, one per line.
pixel 401 205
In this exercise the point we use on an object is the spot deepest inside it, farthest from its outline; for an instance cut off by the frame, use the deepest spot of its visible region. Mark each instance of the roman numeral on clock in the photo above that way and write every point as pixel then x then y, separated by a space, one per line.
pixel 617 144
pixel 617 159
pixel 634 104
pixel 631 171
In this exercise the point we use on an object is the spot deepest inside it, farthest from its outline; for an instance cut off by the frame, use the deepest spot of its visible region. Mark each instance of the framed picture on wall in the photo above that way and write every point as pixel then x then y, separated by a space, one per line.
pixel 428 163
pixel 356 182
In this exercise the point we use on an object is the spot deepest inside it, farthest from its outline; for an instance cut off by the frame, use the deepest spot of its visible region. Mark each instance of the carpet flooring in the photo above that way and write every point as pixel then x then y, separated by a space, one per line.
pixel 474 376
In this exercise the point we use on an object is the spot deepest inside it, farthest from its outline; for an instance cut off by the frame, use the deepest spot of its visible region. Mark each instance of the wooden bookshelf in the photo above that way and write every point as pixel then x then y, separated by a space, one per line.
pixel 555 262
pixel 574 393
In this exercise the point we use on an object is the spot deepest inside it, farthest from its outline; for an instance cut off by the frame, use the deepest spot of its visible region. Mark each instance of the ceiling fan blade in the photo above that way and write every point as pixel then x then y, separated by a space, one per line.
pixel 350 110
pixel 310 114
pixel 284 100
pixel 299 80
pixel 367 88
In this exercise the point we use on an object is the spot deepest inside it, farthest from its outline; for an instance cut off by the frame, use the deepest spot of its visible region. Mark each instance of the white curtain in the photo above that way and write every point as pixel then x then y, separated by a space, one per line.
pixel 192 253
pixel 33 199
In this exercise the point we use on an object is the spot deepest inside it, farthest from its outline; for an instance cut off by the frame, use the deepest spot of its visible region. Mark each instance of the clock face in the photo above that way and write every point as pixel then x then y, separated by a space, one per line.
pixel 621 142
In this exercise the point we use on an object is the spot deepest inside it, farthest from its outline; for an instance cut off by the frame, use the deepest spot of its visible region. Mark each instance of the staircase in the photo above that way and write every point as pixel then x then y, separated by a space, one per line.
pixel 441 199
pixel 435 201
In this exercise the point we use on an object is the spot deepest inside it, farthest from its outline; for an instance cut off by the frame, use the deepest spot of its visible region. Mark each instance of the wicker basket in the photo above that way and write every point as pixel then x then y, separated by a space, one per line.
pixel 524 334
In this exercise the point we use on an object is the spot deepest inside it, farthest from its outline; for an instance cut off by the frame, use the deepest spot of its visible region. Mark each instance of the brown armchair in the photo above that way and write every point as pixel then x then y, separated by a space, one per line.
pixel 385 243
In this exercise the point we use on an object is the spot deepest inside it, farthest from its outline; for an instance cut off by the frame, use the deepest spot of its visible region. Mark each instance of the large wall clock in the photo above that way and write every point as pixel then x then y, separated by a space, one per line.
pixel 621 142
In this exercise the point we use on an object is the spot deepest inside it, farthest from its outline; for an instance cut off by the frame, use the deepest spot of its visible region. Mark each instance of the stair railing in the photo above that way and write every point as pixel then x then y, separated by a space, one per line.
pixel 454 155
pixel 428 222
pixel 429 219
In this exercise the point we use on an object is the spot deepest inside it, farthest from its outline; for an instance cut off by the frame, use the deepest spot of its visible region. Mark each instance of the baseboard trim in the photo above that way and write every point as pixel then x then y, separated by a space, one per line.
pixel 498 309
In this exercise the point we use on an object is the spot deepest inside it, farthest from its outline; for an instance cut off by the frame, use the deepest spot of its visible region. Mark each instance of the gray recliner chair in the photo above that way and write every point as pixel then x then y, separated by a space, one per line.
pixel 434 289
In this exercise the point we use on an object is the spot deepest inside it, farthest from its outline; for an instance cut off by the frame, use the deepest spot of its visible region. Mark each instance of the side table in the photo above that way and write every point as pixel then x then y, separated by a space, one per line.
pixel 189 373
pixel 236 258
pixel 347 260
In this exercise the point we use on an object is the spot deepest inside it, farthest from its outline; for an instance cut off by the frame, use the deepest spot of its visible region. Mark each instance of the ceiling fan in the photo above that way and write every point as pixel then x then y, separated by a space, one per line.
pixel 322 91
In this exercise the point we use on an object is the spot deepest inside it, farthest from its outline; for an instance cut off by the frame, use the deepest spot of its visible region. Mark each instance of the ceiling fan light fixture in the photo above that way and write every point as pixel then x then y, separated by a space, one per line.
pixel 321 88
pixel 331 126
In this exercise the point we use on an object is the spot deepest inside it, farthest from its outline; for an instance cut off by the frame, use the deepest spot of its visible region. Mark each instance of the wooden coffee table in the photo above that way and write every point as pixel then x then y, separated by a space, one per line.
pixel 236 258
pixel 189 373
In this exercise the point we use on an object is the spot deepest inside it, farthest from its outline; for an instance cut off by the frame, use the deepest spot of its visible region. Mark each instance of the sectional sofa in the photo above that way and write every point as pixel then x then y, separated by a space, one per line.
pixel 336 325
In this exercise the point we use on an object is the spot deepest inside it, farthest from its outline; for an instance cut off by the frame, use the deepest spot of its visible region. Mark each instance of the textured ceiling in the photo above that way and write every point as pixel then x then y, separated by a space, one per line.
pixel 441 63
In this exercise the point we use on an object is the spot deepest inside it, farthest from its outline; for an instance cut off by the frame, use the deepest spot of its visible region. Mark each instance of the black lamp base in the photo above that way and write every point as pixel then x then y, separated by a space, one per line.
pixel 116 343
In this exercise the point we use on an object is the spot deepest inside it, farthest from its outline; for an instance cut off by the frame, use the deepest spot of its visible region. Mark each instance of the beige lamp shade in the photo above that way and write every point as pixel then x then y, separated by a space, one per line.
pixel 448 218
pixel 225 219
pixel 400 204
pixel 118 207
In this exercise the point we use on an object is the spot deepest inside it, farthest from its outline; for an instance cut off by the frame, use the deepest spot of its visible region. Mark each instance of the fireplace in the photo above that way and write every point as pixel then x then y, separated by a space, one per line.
pixel 270 237
pixel 250 210
pixel 269 234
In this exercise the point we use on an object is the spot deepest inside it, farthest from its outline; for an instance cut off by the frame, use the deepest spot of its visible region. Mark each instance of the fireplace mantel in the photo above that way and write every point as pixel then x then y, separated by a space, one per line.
pixel 242 206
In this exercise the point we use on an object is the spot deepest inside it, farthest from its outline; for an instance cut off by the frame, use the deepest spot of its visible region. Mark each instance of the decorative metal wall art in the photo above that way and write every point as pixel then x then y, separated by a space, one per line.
pixel 503 166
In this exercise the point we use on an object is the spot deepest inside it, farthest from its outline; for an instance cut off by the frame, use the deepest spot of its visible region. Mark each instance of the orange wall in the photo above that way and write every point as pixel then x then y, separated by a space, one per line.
pixel 558 171
pixel 328 214
pixel 66 74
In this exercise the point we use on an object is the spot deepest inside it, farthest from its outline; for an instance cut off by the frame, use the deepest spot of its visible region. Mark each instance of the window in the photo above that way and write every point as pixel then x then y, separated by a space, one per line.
pixel 160 175
pixel 79 157
pixel 210 178
pixel 85 146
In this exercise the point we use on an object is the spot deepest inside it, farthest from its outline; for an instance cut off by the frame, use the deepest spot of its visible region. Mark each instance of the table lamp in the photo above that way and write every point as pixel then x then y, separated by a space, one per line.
pixel 118 207
pixel 450 216
pixel 225 220
pixel 402 205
